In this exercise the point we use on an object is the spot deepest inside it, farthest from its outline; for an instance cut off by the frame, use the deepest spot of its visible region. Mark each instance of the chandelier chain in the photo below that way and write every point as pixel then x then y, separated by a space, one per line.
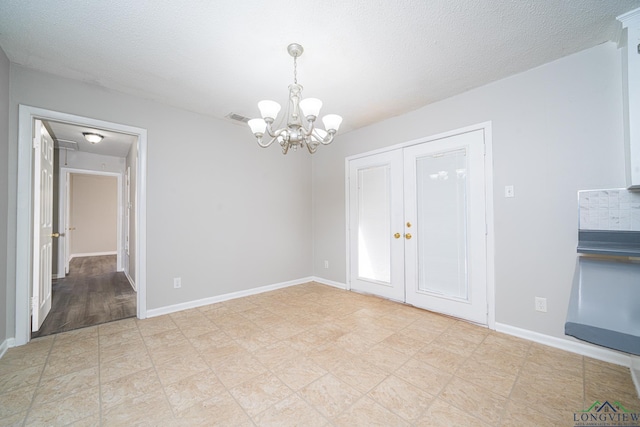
pixel 295 70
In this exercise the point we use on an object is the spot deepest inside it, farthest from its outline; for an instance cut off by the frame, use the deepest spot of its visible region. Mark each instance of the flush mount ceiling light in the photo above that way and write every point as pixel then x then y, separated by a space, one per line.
pixel 297 132
pixel 93 138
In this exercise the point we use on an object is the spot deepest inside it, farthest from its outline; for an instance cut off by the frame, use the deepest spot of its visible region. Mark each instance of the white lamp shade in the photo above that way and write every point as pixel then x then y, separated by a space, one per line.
pixel 332 122
pixel 269 109
pixel 311 107
pixel 258 126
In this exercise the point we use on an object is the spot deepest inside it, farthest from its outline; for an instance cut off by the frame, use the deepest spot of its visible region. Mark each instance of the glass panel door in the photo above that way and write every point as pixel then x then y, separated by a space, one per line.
pixel 444 198
pixel 441 181
pixel 375 222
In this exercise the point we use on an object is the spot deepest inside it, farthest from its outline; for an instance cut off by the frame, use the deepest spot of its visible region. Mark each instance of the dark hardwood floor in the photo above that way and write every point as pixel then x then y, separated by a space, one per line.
pixel 92 293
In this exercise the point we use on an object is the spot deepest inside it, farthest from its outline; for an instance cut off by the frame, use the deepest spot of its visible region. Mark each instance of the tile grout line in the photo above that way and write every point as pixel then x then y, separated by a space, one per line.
pixel 226 389
pixel 453 375
pixel 155 369
pixel 35 393
pixel 524 362
pixel 400 366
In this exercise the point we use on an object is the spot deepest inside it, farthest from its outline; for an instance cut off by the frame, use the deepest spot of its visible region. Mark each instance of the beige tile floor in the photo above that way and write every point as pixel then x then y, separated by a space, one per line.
pixel 306 355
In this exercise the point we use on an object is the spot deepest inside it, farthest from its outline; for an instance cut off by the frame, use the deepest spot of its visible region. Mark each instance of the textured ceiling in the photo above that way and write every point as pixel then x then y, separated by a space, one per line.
pixel 366 59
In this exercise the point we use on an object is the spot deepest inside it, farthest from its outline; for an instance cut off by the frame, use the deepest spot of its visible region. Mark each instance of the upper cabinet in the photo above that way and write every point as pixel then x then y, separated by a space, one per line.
pixel 631 84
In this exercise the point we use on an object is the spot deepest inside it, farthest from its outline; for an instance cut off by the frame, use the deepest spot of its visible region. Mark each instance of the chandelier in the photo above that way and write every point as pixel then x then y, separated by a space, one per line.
pixel 300 129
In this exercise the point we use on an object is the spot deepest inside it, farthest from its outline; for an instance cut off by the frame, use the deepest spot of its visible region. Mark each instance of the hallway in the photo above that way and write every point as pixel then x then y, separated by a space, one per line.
pixel 92 293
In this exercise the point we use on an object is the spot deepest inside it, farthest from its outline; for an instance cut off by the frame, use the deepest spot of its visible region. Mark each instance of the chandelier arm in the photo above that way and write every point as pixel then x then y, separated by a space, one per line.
pixel 311 127
pixel 272 133
pixel 312 146
pixel 328 139
pixel 324 141
pixel 266 144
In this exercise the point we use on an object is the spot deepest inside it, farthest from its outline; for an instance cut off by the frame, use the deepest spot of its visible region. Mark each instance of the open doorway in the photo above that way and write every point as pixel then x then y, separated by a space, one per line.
pixel 89 283
pixel 135 250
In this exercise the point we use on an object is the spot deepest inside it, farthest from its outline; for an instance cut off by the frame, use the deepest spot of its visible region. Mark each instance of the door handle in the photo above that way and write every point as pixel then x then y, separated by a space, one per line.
pixel 397 235
pixel 407 236
pixel 54 235
pixel 71 228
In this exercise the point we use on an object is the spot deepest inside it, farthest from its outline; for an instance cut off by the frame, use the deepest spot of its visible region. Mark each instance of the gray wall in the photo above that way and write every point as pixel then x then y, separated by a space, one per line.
pixel 4 206
pixel 556 129
pixel 222 213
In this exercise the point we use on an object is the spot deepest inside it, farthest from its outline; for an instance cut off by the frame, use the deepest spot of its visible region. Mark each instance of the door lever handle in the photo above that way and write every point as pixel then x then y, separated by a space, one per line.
pixel 54 235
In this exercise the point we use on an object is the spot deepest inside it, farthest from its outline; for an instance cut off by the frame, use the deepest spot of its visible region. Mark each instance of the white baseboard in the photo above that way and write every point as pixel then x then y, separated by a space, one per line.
pixel 131 282
pixel 329 282
pixel 4 347
pixel 225 297
pixel 80 255
pixel 595 352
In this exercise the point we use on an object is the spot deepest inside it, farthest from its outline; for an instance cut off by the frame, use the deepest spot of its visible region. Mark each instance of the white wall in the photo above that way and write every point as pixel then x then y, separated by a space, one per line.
pixel 222 213
pixel 4 196
pixel 556 129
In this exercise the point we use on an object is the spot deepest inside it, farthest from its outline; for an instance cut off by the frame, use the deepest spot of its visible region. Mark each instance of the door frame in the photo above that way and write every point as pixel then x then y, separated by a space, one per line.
pixel 64 205
pixel 486 127
pixel 24 235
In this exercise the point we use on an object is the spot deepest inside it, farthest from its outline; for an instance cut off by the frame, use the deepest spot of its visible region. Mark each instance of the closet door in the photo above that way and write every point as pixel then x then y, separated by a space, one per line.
pixel 445 214
pixel 375 225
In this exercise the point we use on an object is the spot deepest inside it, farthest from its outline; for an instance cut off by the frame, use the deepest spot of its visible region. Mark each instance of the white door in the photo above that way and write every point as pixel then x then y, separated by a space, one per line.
pixel 445 203
pixel 127 215
pixel 43 224
pixel 417 228
pixel 375 224
pixel 67 227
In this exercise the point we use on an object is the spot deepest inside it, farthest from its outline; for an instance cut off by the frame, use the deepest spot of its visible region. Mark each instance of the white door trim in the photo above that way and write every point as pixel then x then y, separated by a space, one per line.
pixel 26 115
pixel 488 159
pixel 63 202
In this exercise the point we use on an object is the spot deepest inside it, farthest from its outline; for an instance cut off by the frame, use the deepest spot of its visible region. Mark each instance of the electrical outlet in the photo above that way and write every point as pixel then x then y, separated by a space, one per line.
pixel 508 191
pixel 326 264
pixel 541 304
pixel 177 282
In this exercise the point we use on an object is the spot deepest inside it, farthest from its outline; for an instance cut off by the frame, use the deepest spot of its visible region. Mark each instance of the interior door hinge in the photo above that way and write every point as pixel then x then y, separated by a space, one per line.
pixel 36 142
pixel 34 304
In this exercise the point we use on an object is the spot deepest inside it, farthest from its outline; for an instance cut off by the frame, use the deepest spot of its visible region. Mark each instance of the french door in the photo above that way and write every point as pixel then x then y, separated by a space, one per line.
pixel 417 225
pixel 375 193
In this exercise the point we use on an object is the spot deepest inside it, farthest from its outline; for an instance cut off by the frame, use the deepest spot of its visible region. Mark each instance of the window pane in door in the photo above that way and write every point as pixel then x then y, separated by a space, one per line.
pixel 442 226
pixel 374 224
